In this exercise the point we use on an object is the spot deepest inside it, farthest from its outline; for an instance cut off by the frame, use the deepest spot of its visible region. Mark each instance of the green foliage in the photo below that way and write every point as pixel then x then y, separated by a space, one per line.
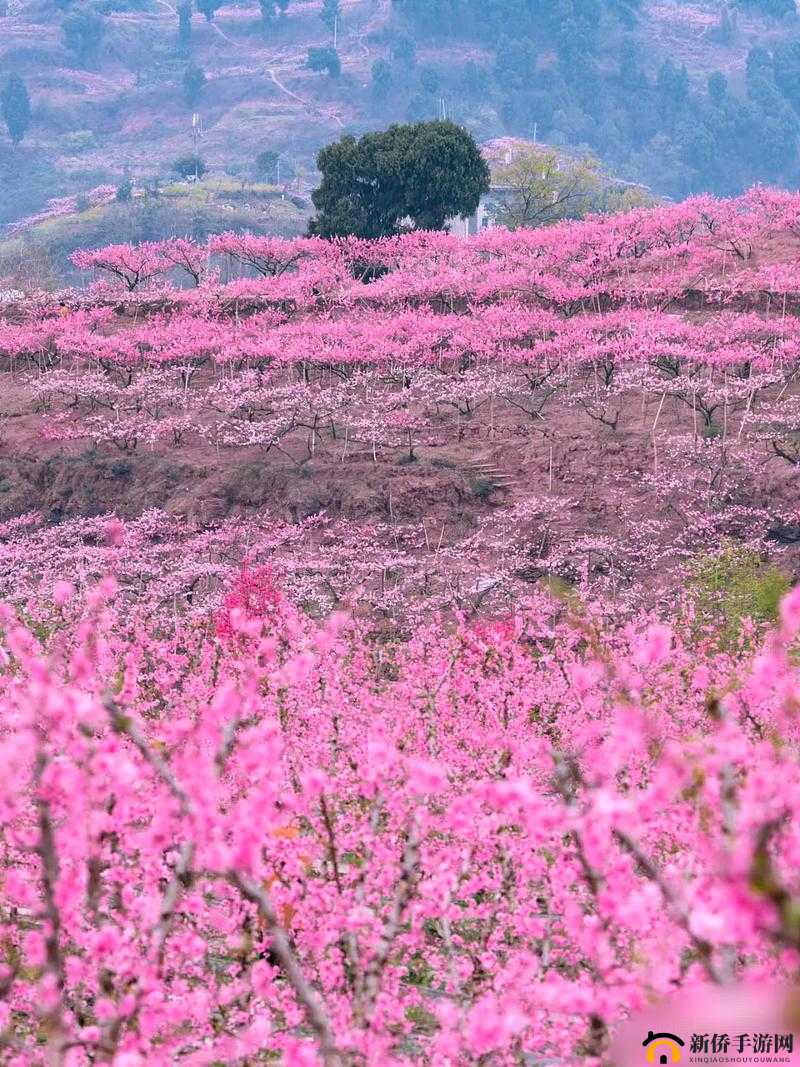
pixel 407 177
pixel 724 32
pixel 184 27
pixel 40 257
pixel 331 11
pixel 543 186
pixel 124 191
pixel 717 88
pixel 83 31
pixel 381 80
pixel 269 11
pixel 266 165
pixel 189 167
pixel 326 59
pixel 484 487
pixel 733 585
pixel 430 79
pixel 403 50
pixel 79 140
pixel 15 105
pixel 194 81
pixel 551 73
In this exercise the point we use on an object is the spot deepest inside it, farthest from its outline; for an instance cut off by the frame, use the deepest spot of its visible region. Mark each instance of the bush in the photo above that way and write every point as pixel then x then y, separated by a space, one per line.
pixel 83 32
pixel 266 165
pixel 734 585
pixel 79 140
pixel 189 167
pixel 124 191
pixel 324 59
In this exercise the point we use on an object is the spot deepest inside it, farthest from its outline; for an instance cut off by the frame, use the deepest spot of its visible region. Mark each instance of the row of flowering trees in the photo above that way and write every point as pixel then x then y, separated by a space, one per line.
pixel 359 366
pixel 704 249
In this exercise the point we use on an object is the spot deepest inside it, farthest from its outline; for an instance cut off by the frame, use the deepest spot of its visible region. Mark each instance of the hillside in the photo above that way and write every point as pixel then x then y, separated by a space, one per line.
pixel 35 254
pixel 109 100
pixel 398 647
pixel 606 400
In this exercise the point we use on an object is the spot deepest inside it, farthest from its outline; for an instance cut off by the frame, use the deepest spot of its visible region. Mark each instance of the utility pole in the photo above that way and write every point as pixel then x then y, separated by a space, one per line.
pixel 196 129
pixel 335 29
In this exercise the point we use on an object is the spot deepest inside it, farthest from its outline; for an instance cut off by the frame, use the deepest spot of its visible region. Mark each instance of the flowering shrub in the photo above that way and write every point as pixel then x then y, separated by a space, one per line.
pixel 292 839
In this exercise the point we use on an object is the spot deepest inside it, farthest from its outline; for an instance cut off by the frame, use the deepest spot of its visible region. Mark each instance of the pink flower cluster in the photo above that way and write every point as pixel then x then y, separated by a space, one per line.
pixel 274 836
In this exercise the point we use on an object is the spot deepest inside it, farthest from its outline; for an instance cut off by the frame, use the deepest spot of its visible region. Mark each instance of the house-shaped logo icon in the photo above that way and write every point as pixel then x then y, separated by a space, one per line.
pixel 663 1048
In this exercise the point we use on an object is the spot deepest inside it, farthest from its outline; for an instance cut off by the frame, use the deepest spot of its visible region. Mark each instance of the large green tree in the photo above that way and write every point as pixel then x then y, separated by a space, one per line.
pixel 16 107
pixel 407 177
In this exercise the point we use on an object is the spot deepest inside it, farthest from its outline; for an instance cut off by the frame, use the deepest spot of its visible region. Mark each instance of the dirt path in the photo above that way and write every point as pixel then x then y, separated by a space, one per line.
pixel 214 26
pixel 328 114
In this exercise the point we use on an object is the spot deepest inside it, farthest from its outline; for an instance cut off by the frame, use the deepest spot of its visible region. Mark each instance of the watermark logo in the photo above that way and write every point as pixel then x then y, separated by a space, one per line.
pixel 663 1047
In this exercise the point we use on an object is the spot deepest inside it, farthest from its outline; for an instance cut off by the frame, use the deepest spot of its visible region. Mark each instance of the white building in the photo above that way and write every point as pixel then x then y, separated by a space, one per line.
pixel 468 227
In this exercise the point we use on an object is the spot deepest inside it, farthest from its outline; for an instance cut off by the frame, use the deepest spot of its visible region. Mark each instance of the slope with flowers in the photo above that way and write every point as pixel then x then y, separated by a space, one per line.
pixel 354 787
pixel 597 401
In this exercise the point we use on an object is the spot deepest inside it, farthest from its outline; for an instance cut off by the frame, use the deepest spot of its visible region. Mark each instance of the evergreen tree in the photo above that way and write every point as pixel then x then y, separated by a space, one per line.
pixel 184 27
pixel 268 11
pixel 403 50
pixel 717 88
pixel 725 30
pixel 425 173
pixel 16 107
pixel 266 164
pixel 330 13
pixel 326 59
pixel 786 70
pixel 209 8
pixel 775 8
pixel 194 80
pixel 189 167
pixel 431 80
pixel 381 80
pixel 83 32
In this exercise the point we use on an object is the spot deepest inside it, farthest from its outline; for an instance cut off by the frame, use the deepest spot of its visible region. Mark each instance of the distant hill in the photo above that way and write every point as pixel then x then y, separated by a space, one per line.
pixel 36 254
pixel 680 96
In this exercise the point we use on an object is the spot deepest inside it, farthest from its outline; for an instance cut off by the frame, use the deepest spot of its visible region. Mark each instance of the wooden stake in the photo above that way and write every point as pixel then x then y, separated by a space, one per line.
pixel 694 417
pixel 441 536
pixel 658 413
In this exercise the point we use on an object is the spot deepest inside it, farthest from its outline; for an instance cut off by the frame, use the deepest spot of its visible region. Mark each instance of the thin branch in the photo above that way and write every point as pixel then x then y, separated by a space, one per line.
pixel 287 961
pixel 406 887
